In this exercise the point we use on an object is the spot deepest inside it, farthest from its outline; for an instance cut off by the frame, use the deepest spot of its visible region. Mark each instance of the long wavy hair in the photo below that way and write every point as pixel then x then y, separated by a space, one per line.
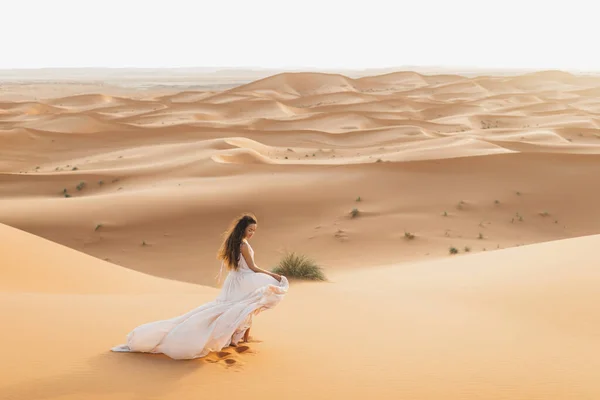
pixel 230 250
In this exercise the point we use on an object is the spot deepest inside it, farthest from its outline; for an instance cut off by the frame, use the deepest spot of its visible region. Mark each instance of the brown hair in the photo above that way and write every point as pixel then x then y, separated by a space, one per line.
pixel 230 250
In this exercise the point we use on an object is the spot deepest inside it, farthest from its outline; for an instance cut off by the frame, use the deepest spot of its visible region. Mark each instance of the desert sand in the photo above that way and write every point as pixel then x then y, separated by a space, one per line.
pixel 113 197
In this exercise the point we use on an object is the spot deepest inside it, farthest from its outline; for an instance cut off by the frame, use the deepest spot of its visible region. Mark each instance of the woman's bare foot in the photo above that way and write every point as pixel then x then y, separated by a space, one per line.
pixel 246 335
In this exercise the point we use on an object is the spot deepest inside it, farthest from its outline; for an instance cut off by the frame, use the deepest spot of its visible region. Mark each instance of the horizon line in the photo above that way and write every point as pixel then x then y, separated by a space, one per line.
pixel 249 67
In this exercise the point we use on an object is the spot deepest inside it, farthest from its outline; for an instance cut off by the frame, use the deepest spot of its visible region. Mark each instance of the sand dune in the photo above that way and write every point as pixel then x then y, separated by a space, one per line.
pixel 517 323
pixel 186 96
pixel 29 108
pixel 298 84
pixel 74 124
pixel 340 99
pixel 90 101
pixel 61 270
pixel 291 123
pixel 113 198
pixel 409 78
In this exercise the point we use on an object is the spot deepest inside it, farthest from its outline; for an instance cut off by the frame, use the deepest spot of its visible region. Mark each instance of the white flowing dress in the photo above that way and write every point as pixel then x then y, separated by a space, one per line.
pixel 213 325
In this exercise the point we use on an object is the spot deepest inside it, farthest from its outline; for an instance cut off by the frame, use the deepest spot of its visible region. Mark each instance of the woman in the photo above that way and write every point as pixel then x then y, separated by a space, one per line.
pixel 225 321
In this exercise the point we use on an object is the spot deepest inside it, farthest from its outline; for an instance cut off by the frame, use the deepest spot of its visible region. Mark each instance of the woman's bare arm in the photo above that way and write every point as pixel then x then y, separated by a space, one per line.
pixel 252 265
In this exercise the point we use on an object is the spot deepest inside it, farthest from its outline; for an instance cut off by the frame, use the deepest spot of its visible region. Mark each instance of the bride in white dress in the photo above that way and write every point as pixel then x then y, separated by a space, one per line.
pixel 225 321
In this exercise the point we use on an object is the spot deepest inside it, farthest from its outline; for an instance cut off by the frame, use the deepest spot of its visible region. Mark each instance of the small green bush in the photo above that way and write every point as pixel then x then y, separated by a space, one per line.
pixel 299 266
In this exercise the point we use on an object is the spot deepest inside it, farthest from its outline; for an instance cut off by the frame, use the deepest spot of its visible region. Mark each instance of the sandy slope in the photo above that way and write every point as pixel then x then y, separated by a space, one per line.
pixel 512 324
pixel 147 178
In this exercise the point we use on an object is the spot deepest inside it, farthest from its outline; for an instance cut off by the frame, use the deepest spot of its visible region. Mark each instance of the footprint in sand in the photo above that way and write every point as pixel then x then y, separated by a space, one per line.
pixel 242 349
pixel 223 354
pixel 226 356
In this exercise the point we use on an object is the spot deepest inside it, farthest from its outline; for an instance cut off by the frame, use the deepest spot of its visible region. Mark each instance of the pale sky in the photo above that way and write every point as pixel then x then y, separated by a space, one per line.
pixel 304 33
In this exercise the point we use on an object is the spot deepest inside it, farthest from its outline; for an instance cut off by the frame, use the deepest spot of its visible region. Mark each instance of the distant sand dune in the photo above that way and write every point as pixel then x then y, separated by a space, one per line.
pixel 89 100
pixel 242 156
pixel 74 124
pixel 434 105
pixel 28 108
pixel 534 109
pixel 409 78
pixel 299 84
pixel 185 97
pixel 340 99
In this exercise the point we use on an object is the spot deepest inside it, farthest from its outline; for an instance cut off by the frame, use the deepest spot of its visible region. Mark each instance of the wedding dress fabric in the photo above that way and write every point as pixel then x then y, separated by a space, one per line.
pixel 213 325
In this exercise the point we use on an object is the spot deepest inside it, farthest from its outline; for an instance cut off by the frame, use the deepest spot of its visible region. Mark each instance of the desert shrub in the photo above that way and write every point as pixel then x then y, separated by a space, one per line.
pixel 299 266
